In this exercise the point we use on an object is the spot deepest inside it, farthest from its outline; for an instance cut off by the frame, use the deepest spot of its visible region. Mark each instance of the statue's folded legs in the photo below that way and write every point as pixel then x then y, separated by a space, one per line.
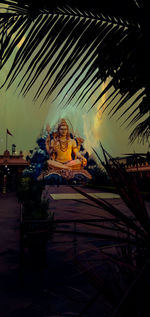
pixel 73 164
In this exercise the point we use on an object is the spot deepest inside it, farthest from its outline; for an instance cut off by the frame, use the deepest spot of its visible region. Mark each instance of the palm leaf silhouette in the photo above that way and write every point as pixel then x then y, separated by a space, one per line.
pixel 66 47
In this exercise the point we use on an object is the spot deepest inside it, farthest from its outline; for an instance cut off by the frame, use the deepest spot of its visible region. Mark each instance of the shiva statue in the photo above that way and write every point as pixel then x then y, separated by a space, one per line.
pixel 64 151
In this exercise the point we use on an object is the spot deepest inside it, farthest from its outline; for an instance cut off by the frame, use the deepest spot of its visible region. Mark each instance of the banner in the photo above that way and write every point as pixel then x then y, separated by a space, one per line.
pixel 8 132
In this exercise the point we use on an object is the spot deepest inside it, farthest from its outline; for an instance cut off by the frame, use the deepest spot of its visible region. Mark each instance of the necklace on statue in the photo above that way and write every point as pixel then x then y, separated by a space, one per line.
pixel 63 145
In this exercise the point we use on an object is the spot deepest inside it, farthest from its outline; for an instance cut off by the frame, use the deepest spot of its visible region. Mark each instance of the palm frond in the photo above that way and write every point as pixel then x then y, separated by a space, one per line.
pixel 128 190
pixel 65 47
pixel 114 212
pixel 142 131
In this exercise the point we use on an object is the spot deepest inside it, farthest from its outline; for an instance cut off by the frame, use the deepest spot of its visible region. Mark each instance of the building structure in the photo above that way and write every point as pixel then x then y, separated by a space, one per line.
pixel 135 163
pixel 11 168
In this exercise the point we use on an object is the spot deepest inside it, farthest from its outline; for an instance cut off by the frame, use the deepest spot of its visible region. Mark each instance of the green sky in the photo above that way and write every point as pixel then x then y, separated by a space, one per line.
pixel 25 119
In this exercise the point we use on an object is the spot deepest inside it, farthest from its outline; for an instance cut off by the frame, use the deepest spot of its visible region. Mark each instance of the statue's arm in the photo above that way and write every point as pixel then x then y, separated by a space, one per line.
pixel 47 143
pixel 79 142
pixel 49 146
pixel 78 154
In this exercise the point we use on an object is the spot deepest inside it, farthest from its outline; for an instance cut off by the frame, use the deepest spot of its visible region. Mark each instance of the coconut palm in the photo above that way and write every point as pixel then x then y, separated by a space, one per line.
pixel 74 48
pixel 136 223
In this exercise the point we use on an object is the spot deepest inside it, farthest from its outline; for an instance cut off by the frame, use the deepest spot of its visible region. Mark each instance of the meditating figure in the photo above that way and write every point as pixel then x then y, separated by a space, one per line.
pixel 61 147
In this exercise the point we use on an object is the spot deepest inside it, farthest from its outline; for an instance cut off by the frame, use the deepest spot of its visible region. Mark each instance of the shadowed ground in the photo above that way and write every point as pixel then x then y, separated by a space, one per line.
pixel 61 281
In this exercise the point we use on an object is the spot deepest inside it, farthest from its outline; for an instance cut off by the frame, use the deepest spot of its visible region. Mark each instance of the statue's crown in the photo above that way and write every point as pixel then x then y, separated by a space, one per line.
pixel 63 122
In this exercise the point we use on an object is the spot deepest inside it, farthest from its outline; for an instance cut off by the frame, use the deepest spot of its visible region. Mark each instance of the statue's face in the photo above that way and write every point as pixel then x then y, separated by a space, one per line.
pixel 63 130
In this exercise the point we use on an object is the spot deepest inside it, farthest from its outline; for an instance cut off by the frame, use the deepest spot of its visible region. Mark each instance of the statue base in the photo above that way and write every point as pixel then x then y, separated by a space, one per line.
pixel 67 174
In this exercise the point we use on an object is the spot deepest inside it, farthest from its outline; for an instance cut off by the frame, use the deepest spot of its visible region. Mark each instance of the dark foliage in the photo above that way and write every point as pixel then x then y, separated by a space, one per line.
pixel 30 195
pixel 134 229
pixel 105 40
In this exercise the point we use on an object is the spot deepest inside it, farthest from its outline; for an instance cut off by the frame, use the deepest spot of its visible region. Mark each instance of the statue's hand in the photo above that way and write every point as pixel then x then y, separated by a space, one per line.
pixel 83 160
pixel 79 140
pixel 48 129
pixel 48 139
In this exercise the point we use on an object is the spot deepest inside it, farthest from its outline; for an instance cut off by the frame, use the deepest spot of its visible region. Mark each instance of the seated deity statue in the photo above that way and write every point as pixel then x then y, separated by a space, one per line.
pixel 61 148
